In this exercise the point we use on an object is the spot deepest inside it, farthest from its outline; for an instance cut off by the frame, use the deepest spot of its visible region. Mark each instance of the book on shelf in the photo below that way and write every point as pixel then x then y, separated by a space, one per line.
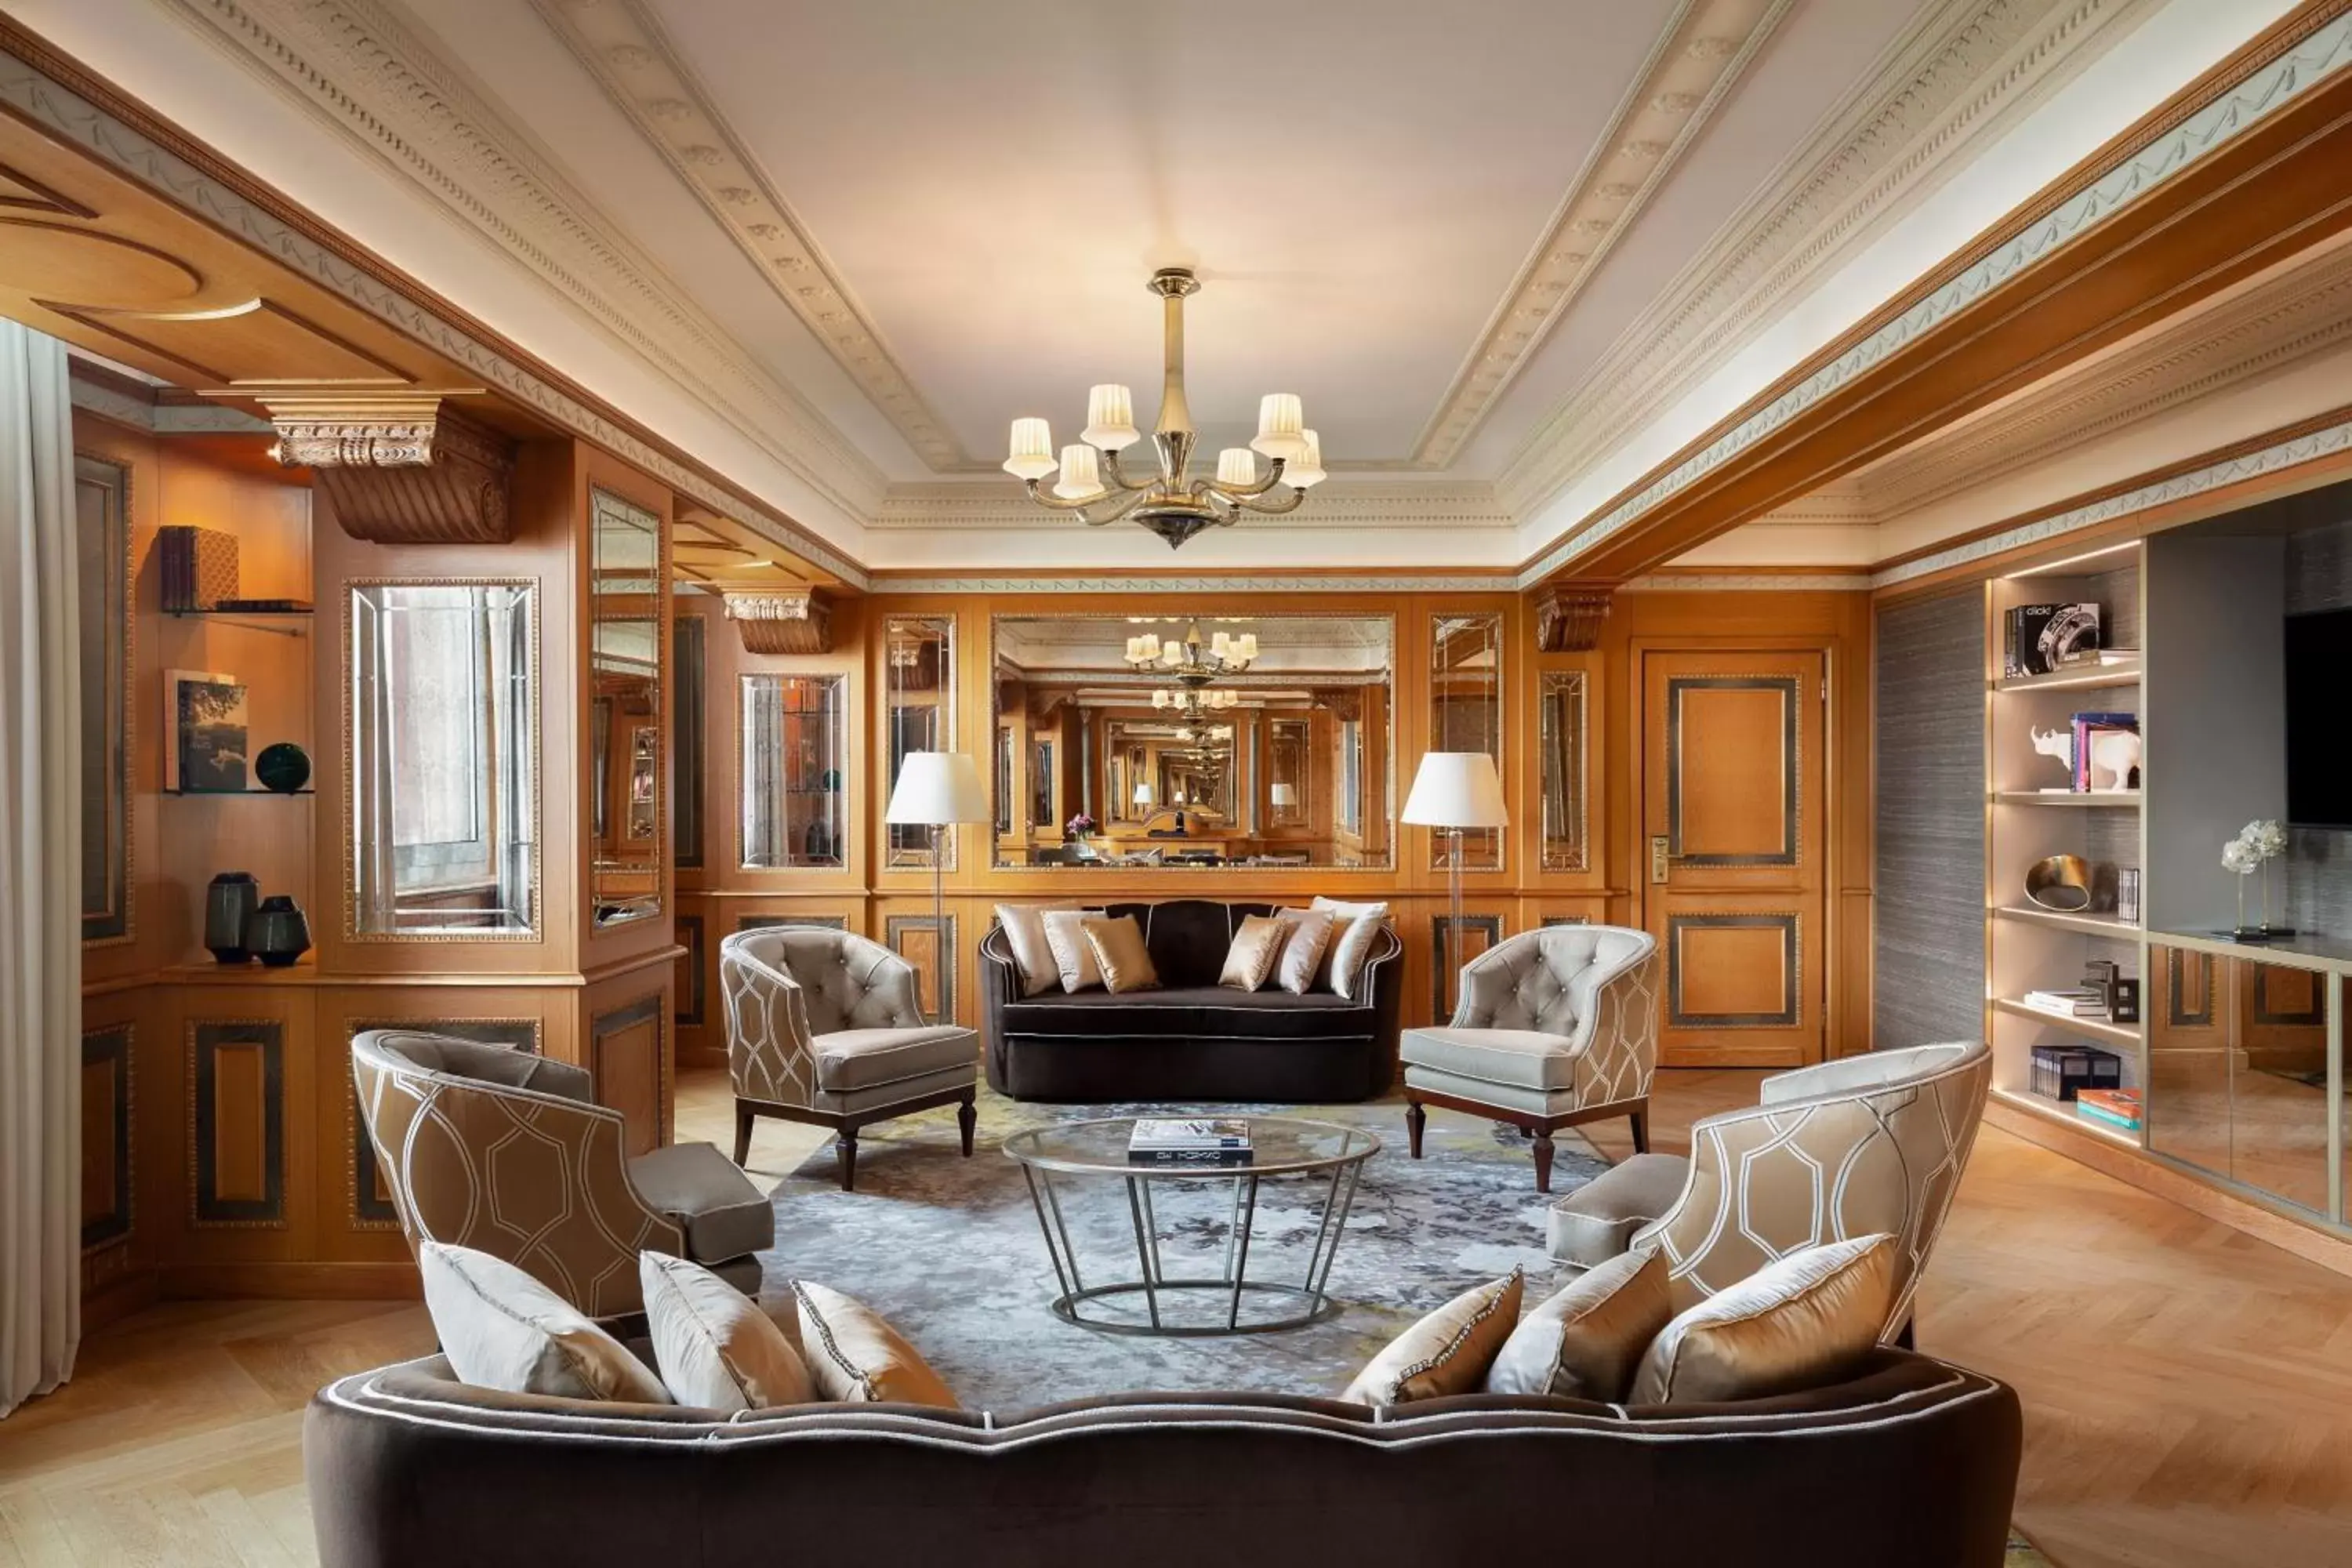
pixel 2118 1108
pixel 1206 1159
pixel 2070 1002
pixel 198 566
pixel 2037 640
pixel 1156 1135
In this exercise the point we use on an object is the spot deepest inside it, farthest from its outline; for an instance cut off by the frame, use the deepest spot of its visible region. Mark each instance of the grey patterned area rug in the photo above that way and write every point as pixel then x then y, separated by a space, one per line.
pixel 949 1249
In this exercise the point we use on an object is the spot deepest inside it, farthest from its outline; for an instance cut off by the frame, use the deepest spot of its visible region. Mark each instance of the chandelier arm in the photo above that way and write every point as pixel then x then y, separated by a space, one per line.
pixel 1272 509
pixel 1237 493
pixel 1118 476
pixel 1120 508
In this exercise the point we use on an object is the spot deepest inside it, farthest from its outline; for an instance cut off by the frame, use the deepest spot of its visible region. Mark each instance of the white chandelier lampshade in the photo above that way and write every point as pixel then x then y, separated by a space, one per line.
pixel 1172 653
pixel 1110 420
pixel 1281 425
pixel 1220 644
pixel 1081 473
pixel 1245 648
pixel 1162 697
pixel 1236 466
pixel 1457 789
pixel 1306 469
pixel 1031 456
pixel 936 789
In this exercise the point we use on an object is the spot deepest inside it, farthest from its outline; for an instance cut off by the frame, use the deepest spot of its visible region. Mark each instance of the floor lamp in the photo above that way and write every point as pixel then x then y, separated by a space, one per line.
pixel 936 789
pixel 1455 790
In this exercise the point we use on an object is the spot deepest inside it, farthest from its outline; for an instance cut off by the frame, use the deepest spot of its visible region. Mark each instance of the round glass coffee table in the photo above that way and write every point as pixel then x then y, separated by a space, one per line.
pixel 1324 1161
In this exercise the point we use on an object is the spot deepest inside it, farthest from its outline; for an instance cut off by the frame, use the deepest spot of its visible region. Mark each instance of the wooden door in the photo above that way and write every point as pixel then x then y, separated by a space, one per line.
pixel 1732 853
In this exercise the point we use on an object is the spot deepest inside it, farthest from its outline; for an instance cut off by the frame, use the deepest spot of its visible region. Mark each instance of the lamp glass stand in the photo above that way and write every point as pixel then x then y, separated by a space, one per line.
pixel 1454 921
pixel 940 923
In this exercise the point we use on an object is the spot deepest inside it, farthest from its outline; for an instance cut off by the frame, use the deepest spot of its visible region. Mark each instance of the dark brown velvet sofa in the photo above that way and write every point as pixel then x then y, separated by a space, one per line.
pixel 1192 1039
pixel 1913 1462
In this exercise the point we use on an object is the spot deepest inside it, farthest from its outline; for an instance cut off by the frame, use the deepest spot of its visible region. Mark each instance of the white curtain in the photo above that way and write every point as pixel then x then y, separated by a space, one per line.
pixel 40 872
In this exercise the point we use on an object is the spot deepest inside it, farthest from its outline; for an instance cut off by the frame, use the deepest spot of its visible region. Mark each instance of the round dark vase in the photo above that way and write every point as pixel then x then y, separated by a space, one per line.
pixel 284 767
pixel 229 903
pixel 276 932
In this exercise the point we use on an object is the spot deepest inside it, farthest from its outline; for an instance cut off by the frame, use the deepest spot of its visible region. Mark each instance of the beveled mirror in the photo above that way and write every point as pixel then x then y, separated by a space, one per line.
pixel 629 765
pixel 441 756
pixel 792 738
pixel 919 695
pixel 1465 713
pixel 1560 741
pixel 102 541
pixel 1289 774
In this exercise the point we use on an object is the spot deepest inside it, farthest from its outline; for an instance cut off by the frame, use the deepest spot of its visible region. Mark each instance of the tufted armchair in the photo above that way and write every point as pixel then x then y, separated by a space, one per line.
pixel 824 1028
pixel 1554 1027
pixel 1851 1147
pixel 505 1152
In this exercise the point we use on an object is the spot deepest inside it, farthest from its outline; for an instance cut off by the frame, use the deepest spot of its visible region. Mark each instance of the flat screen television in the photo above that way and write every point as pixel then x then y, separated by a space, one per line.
pixel 2318 706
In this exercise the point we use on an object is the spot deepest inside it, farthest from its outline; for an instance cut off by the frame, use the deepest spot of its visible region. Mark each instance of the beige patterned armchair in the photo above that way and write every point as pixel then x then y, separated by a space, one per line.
pixel 1554 1027
pixel 824 1027
pixel 503 1150
pixel 1866 1143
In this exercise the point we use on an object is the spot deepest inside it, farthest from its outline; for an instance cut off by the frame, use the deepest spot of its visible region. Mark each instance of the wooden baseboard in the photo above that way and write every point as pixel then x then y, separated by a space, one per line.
pixel 2154 1176
pixel 701 1056
pixel 117 1300
pixel 290 1281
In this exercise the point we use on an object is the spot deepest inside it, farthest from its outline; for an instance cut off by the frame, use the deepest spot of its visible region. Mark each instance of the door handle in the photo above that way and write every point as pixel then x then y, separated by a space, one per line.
pixel 1658 857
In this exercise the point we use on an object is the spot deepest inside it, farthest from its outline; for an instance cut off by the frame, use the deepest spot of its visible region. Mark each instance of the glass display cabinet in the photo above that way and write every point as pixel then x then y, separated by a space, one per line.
pixel 793 740
pixel 629 765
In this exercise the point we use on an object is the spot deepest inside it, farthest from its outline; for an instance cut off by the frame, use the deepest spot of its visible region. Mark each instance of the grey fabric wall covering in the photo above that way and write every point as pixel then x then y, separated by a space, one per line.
pixel 1928 945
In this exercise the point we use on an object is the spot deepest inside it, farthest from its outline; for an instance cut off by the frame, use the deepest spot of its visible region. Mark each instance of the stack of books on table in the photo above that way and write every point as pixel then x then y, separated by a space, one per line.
pixel 2116 1108
pixel 1189 1140
pixel 2070 1002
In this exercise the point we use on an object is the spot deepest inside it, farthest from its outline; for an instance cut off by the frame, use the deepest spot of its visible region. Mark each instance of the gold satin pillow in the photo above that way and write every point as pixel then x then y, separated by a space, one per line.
pixel 1586 1343
pixel 1447 1351
pixel 1119 953
pixel 1802 1322
pixel 855 1358
pixel 1256 947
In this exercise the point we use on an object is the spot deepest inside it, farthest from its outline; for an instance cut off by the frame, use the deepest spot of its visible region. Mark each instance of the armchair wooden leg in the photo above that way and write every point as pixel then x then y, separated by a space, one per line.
pixel 967 1118
pixel 743 1119
pixel 1543 1161
pixel 845 1153
pixel 1641 1120
pixel 1416 1119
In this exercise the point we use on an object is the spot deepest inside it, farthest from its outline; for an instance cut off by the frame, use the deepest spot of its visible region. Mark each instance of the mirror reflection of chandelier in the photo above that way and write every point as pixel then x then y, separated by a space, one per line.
pixel 1187 662
pixel 1191 704
pixel 1170 504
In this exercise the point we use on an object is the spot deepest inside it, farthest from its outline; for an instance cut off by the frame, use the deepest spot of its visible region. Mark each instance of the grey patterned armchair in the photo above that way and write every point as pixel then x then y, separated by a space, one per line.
pixel 505 1152
pixel 1554 1027
pixel 1851 1147
pixel 824 1028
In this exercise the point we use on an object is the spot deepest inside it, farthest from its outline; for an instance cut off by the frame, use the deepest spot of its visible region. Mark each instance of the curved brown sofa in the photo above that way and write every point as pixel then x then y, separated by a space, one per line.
pixel 1192 1039
pixel 1912 1462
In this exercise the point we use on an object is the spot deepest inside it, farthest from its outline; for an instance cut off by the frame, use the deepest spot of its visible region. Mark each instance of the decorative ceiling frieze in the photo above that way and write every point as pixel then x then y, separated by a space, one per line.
pixel 624 47
pixel 1693 66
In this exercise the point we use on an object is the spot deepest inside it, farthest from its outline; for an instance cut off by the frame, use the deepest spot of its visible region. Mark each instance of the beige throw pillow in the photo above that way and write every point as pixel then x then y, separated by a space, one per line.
pixel 856 1358
pixel 1352 947
pixel 1073 959
pixel 714 1345
pixel 1447 1351
pixel 1257 947
pixel 503 1330
pixel 1025 936
pixel 1302 955
pixel 1586 1343
pixel 1802 1322
pixel 1119 953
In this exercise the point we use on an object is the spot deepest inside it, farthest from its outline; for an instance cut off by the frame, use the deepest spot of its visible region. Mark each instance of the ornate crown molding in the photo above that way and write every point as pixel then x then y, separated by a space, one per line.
pixel 1705 48
pixel 985 582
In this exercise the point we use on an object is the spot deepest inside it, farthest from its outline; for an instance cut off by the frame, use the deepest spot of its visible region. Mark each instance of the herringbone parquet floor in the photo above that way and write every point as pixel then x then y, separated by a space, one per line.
pixel 2187 1390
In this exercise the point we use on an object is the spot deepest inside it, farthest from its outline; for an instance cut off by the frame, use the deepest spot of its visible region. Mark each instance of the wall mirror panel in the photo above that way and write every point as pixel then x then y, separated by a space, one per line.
pixel 1465 713
pixel 1560 737
pixel 793 735
pixel 1193 740
pixel 443 752
pixel 102 540
pixel 628 763
pixel 919 693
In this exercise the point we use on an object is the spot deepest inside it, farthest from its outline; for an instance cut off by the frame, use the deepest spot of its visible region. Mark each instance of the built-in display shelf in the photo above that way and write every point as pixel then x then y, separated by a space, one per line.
pixel 277 623
pixel 2118 666
pixel 2057 1112
pixel 2121 799
pixel 2125 1035
pixel 2315 949
pixel 2088 924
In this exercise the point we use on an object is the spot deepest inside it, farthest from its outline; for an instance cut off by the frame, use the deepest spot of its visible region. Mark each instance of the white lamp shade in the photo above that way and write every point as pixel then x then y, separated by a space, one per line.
pixel 936 788
pixel 1284 792
pixel 1306 469
pixel 1110 418
pixel 1143 794
pixel 1457 789
pixel 1031 456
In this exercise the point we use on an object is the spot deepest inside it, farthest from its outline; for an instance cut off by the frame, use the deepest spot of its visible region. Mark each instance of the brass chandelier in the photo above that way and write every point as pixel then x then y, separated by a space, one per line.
pixel 1172 505
pixel 1187 661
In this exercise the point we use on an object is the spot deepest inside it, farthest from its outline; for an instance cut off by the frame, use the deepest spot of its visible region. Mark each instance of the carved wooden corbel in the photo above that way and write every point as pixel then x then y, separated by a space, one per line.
pixel 1346 703
pixel 773 622
pixel 396 464
pixel 1567 618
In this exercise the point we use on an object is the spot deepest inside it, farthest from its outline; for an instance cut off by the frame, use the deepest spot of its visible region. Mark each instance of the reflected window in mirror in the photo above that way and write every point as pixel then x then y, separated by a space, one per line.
pixel 1560 738
pixel 1466 699
pixel 920 690
pixel 1290 774
pixel 628 764
pixel 1043 816
pixel 792 730
pixel 443 830
pixel 102 573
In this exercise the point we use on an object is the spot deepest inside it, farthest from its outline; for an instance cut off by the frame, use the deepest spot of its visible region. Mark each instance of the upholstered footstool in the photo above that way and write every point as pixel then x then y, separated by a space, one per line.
pixel 1599 1220
pixel 724 1219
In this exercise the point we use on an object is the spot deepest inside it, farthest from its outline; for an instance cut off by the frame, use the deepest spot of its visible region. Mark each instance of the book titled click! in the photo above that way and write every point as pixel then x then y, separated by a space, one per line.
pixel 1202 1141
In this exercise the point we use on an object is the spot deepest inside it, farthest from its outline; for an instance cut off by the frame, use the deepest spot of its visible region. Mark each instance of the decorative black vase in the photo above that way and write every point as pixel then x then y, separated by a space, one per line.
pixel 276 932
pixel 284 767
pixel 229 903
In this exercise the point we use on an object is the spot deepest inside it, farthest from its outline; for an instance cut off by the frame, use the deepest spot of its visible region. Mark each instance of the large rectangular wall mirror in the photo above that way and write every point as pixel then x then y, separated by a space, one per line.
pixel 1465 713
pixel 102 538
pixel 629 765
pixel 1560 737
pixel 792 739
pixel 443 753
pixel 919 693
pixel 1194 741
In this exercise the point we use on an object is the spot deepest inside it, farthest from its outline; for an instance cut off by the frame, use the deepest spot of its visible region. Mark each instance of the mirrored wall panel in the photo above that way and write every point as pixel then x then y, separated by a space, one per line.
pixel 793 738
pixel 102 572
pixel 920 690
pixel 443 830
pixel 1465 713
pixel 627 764
pixel 1561 736
pixel 1194 740
pixel 2237 1070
